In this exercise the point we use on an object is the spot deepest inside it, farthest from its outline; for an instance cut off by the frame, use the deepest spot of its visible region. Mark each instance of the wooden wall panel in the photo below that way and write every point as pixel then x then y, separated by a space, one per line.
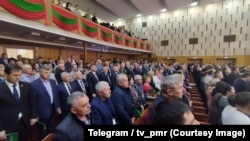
pixel 46 52
pixel 76 52
pixel 64 53
pixel 91 56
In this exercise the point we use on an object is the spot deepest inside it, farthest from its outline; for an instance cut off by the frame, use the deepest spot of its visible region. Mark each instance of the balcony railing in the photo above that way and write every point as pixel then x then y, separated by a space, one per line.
pixel 52 15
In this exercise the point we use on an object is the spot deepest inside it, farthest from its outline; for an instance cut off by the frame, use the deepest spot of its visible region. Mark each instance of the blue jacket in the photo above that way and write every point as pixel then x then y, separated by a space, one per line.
pixel 101 115
pixel 63 95
pixel 123 104
pixel 43 99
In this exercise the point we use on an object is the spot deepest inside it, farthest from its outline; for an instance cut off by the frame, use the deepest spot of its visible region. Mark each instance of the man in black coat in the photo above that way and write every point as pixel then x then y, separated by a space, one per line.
pixel 17 105
pixel 71 128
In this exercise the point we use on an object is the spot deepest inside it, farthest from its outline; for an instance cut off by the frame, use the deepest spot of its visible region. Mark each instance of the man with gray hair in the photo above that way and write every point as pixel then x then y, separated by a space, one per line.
pixel 102 109
pixel 27 75
pixel 71 128
pixel 65 89
pixel 171 89
pixel 123 101
pixel 46 93
pixel 139 89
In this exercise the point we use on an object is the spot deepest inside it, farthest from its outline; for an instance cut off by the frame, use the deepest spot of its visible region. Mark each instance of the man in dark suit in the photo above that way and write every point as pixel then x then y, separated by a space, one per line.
pixel 60 69
pixel 17 105
pixel 92 80
pixel 80 84
pixel 114 75
pixel 72 126
pixel 4 60
pixel 65 89
pixel 47 100
pixel 104 76
pixel 123 101
pixel 102 109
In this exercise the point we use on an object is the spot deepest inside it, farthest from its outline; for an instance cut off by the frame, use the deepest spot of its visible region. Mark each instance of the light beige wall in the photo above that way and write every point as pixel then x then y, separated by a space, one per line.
pixel 209 23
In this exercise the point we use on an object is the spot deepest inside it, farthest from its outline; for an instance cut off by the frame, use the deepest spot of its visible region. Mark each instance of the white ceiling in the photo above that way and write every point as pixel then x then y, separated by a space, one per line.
pixel 111 10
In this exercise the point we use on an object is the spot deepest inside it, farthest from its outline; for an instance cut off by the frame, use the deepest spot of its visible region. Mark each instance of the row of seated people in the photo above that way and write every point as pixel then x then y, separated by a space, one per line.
pixel 219 86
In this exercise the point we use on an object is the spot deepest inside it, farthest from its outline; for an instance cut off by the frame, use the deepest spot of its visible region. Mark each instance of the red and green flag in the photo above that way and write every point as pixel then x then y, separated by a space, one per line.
pixel 118 38
pixel 106 34
pixel 89 28
pixel 142 45
pixel 63 18
pixel 136 43
pixel 128 41
pixel 27 9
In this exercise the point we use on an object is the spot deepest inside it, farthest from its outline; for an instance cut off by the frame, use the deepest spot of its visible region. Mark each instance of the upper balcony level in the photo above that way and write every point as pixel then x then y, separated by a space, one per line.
pixel 41 22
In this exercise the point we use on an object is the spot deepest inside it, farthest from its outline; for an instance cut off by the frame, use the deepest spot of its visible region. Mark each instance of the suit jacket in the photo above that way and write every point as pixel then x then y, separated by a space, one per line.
pixel 58 75
pixel 2 61
pixel 63 95
pixel 123 104
pixel 105 77
pixel 10 108
pixel 69 129
pixel 1 80
pixel 92 81
pixel 101 114
pixel 43 100
pixel 113 80
pixel 76 86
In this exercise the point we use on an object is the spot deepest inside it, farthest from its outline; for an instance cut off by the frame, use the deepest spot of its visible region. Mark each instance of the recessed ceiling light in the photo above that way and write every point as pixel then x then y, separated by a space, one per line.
pixel 61 38
pixel 194 3
pixel 163 10
pixel 138 15
pixel 35 33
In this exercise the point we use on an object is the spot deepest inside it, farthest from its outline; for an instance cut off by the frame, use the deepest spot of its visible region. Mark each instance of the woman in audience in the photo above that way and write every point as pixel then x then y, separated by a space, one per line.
pixel 137 100
pixel 149 92
pixel 68 6
pixel 60 3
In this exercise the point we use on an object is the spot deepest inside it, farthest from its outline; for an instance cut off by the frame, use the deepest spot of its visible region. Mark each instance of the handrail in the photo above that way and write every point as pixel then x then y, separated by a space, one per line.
pixel 53 15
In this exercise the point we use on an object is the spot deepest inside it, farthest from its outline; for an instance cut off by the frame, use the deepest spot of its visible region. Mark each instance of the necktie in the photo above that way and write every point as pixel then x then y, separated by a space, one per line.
pixel 70 91
pixel 15 93
pixel 83 87
pixel 108 78
pixel 96 77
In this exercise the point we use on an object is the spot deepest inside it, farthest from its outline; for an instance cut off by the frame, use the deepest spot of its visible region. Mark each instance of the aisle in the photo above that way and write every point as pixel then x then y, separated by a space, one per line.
pixel 197 104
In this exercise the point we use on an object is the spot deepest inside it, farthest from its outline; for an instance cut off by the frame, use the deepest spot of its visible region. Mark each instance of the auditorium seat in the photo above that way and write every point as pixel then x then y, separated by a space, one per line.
pixel 201 117
pixel 196 99
pixel 197 104
pixel 48 137
pixel 199 109
pixel 204 123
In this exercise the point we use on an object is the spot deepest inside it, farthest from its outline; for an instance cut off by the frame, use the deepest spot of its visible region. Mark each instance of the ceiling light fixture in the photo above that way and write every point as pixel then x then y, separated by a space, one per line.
pixel 194 3
pixel 61 38
pixel 138 15
pixel 35 33
pixel 163 10
pixel 79 42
